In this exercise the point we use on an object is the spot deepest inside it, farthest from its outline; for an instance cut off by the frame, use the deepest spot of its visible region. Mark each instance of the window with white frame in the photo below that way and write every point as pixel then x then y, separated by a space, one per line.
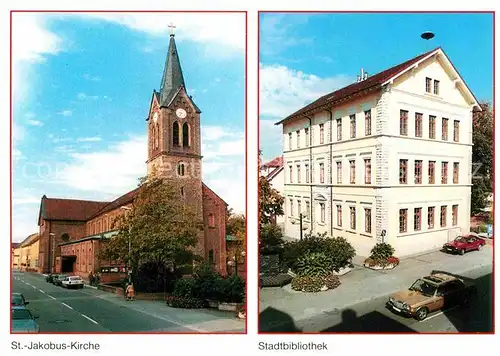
pixel 339 172
pixel 339 215
pixel 322 212
pixel 352 217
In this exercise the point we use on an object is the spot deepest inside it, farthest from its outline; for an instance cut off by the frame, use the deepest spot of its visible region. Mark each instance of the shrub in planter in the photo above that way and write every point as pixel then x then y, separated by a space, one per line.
pixel 313 264
pixel 307 284
pixel 207 282
pixel 184 302
pixel 232 289
pixel 186 288
pixel 331 281
pixel 381 251
pixel 393 260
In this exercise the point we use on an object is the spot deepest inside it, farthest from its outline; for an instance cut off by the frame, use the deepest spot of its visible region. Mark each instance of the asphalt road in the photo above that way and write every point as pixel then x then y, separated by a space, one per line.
pixel 374 316
pixel 90 310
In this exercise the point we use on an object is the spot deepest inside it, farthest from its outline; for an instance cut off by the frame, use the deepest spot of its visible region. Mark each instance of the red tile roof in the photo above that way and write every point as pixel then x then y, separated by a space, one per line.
pixel 125 199
pixel 15 244
pixel 369 85
pixel 69 209
pixel 275 162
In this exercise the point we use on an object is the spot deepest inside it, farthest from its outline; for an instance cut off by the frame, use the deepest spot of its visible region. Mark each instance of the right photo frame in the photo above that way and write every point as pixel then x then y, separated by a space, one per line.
pixel 376 141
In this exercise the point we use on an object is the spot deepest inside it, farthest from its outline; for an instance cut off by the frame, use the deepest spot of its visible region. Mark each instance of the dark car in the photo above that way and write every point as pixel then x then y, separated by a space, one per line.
pixel 17 299
pixel 23 321
pixel 428 294
pixel 58 280
pixel 463 244
pixel 50 278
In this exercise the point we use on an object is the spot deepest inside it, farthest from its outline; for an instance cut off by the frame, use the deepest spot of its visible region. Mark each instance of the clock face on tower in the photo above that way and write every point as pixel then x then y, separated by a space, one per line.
pixel 155 117
pixel 181 113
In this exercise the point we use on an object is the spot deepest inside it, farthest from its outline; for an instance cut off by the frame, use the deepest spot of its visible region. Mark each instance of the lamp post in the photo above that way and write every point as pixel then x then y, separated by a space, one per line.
pixel 51 251
pixel 234 262
pixel 129 272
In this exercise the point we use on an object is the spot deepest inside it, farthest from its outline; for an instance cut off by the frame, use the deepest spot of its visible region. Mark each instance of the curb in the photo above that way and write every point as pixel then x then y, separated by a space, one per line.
pixel 359 301
pixel 89 286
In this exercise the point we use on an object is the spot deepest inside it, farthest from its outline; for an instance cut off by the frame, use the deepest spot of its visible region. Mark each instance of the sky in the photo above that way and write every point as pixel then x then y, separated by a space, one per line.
pixel 304 56
pixel 82 86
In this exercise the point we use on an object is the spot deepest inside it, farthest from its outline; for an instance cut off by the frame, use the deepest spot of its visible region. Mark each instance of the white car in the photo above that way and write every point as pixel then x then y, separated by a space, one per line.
pixel 73 282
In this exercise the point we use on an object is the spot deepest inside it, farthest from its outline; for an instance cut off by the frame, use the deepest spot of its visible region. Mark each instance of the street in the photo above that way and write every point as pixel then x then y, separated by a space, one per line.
pixel 373 316
pixel 92 310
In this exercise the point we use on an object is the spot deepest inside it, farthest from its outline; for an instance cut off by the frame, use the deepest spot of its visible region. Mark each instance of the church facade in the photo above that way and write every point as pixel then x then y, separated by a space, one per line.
pixel 73 231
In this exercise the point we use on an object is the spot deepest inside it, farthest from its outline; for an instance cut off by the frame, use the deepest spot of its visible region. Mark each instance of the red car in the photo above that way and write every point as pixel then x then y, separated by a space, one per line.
pixel 463 244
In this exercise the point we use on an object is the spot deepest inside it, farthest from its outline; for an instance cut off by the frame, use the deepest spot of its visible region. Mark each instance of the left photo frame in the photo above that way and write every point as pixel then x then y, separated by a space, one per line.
pixel 128 172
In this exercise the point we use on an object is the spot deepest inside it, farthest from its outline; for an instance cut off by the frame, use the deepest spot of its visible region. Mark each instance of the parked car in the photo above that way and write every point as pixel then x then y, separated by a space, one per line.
pixel 73 282
pixel 463 244
pixel 50 278
pixel 23 321
pixel 58 280
pixel 18 299
pixel 431 293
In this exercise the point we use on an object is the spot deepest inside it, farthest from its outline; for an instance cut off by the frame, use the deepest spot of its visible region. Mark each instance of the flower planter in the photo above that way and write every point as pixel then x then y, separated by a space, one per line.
pixel 343 271
pixel 242 314
pixel 377 267
pixel 213 304
pixel 228 306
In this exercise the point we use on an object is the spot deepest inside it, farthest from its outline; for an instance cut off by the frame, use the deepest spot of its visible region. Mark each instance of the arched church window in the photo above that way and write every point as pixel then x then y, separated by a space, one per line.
pixel 211 220
pixel 185 135
pixel 157 136
pixel 180 169
pixel 175 132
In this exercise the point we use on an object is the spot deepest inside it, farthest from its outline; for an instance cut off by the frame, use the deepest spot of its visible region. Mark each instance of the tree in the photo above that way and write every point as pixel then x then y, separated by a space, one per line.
pixel 236 226
pixel 270 202
pixel 482 157
pixel 160 229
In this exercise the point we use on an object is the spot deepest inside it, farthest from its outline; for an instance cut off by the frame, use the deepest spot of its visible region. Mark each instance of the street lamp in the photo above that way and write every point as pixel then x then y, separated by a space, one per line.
pixel 129 248
pixel 51 251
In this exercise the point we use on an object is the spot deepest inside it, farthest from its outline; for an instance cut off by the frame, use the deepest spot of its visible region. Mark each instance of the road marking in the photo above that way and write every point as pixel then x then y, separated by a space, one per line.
pixel 41 291
pixel 440 313
pixel 66 305
pixel 92 320
pixel 51 297
pixel 34 287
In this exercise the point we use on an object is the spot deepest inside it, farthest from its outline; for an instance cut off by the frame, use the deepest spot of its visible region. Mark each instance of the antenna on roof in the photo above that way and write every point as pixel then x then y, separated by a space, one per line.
pixel 362 76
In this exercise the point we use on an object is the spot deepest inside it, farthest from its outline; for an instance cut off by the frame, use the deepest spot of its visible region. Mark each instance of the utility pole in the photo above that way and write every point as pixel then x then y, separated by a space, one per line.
pixel 300 226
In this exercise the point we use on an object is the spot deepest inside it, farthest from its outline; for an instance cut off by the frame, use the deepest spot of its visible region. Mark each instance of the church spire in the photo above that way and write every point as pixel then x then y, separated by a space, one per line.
pixel 172 78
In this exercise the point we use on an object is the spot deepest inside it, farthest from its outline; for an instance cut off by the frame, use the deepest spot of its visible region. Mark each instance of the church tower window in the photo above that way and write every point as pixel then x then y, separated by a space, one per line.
pixel 182 191
pixel 157 136
pixel 185 135
pixel 180 169
pixel 211 220
pixel 176 134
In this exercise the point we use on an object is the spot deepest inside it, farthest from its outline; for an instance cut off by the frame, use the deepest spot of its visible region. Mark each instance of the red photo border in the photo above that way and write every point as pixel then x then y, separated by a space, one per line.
pixel 493 165
pixel 246 162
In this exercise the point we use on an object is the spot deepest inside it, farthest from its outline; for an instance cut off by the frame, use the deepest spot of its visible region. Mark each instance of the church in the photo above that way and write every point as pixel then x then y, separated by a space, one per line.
pixel 73 231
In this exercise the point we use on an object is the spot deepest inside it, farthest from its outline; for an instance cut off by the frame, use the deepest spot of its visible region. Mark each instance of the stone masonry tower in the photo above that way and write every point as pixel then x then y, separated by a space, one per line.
pixel 174 147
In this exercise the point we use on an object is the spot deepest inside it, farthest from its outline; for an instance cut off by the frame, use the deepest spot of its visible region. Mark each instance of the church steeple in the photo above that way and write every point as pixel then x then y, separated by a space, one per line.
pixel 172 78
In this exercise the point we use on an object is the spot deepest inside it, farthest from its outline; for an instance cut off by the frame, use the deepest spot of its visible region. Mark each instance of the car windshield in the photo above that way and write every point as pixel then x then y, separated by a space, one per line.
pixel 461 239
pixel 423 287
pixel 61 277
pixel 75 278
pixel 21 314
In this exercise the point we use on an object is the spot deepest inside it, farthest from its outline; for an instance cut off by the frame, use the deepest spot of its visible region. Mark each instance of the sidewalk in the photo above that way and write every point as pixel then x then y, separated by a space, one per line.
pixel 363 284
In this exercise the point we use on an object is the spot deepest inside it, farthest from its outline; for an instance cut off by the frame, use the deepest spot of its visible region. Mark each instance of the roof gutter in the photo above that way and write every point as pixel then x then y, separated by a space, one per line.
pixel 331 171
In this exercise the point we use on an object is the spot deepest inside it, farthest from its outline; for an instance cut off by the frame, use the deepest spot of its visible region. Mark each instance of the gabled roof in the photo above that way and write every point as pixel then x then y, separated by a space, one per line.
pixel 371 84
pixel 275 162
pixel 274 173
pixel 69 209
pixel 125 199
pixel 211 192
pixel 30 240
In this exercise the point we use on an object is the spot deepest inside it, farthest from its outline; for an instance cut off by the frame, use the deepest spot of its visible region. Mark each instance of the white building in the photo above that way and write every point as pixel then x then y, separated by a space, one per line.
pixel 388 155
pixel 275 174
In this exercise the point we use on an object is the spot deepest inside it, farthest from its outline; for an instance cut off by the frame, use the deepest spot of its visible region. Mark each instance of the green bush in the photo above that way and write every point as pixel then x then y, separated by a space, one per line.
pixel 270 236
pixel 381 251
pixel 232 289
pixel 207 282
pixel 313 264
pixel 186 288
pixel 338 250
pixel 185 302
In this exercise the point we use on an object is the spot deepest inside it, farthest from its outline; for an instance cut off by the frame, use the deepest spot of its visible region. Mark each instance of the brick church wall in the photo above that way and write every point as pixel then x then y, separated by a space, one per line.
pixel 214 218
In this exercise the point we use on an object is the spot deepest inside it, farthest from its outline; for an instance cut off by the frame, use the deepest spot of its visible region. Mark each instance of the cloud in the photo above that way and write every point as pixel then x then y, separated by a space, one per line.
pixel 30 115
pixel 284 90
pixel 278 35
pixel 32 42
pixel 35 123
pixel 212 27
pixel 17 132
pixel 89 139
pixel 66 113
pixel 270 139
pixel 83 96
pixel 91 78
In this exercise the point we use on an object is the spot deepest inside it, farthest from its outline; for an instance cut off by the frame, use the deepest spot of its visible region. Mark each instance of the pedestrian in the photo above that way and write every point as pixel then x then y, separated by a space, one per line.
pixel 130 292
pixel 91 278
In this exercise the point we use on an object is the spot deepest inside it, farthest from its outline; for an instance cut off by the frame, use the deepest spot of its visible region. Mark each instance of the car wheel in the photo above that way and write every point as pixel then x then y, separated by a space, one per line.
pixel 422 313
pixel 462 251
pixel 479 247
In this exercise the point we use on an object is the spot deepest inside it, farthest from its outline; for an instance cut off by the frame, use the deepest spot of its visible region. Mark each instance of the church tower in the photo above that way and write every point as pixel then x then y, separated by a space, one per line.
pixel 174 140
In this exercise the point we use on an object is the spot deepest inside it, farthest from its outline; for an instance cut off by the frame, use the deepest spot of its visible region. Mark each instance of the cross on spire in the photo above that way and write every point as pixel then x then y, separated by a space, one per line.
pixel 171 26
